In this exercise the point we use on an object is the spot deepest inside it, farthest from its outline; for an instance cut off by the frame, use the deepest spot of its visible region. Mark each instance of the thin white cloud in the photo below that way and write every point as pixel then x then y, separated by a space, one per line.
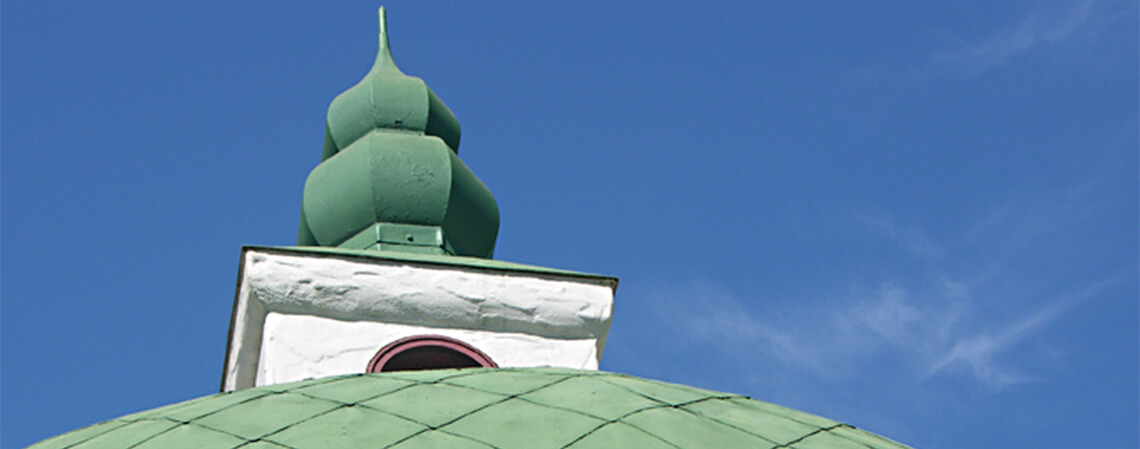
pixel 891 316
pixel 909 239
pixel 723 320
pixel 1020 223
pixel 934 334
pixel 829 338
pixel 947 315
pixel 981 351
pixel 1049 27
pixel 1039 28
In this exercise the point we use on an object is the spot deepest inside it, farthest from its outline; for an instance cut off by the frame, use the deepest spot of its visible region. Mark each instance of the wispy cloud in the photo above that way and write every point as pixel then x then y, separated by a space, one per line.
pixel 932 335
pixel 893 317
pixel 1039 28
pixel 1049 26
pixel 723 318
pixel 980 352
pixel 910 239
pixel 951 313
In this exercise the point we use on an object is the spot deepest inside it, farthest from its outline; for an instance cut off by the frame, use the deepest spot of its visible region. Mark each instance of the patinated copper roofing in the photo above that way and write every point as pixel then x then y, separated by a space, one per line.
pixel 532 408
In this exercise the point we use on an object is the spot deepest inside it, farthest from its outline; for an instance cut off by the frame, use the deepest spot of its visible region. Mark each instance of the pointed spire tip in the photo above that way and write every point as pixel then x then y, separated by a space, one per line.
pixel 384 53
pixel 383 22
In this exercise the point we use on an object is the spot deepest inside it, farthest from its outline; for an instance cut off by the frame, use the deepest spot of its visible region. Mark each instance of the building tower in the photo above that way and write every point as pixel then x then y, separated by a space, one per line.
pixel 389 325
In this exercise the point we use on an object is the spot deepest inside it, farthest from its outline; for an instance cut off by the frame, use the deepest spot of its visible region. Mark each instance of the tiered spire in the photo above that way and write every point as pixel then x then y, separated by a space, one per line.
pixel 390 177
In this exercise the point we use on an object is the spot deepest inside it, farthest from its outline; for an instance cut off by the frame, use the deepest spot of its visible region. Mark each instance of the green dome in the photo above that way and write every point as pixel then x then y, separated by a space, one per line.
pixel 530 408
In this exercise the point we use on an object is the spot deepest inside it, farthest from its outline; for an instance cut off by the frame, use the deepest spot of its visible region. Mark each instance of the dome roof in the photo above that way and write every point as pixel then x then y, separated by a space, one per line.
pixel 529 408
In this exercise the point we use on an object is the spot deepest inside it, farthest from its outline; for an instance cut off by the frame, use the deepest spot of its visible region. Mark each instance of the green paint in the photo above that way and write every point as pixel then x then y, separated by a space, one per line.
pixel 390 171
pixel 477 408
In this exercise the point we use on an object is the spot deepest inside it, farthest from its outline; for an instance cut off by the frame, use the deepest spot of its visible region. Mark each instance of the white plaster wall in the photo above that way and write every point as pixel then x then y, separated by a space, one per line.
pixel 300 315
pixel 428 295
pixel 297 347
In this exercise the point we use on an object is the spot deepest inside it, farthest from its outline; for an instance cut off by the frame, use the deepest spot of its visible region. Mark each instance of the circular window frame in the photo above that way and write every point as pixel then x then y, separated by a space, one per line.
pixel 403 345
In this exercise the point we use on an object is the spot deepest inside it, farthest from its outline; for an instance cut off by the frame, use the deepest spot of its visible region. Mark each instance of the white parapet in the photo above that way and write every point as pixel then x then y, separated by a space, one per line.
pixel 305 313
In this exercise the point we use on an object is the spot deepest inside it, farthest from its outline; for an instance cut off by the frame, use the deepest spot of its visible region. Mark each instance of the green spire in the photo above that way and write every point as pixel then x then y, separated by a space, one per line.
pixel 387 98
pixel 384 53
pixel 390 176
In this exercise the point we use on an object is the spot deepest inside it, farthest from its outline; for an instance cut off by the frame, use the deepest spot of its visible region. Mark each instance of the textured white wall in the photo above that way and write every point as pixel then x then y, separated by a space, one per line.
pixel 302 315
pixel 297 347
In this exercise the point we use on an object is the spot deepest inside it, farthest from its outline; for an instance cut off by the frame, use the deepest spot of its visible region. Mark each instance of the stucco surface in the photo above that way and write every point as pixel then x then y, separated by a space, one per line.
pixel 427 295
pixel 297 347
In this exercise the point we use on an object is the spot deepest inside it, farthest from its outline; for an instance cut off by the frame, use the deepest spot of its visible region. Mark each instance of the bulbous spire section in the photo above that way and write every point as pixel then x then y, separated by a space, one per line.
pixel 390 176
pixel 388 99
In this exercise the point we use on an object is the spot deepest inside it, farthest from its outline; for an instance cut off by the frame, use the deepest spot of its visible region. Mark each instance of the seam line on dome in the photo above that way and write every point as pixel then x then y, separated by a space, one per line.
pixel 414 383
pixel 653 407
pixel 741 429
pixel 844 437
pixel 811 434
pixel 718 396
pixel 553 382
pixel 203 415
pixel 244 440
pixel 340 405
pixel 259 440
pixel 267 434
pixel 472 412
pixel 216 411
pixel 175 426
pixel 868 434
pixel 358 402
pixel 122 422
pixel 343 405
pixel 782 416
pixel 467 372
pixel 466 437
pixel 619 420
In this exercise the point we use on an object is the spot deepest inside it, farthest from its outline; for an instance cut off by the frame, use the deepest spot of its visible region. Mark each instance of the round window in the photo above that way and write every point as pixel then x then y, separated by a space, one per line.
pixel 424 352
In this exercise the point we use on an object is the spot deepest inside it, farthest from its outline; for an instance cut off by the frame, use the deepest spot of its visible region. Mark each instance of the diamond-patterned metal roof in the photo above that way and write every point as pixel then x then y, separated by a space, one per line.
pixel 532 408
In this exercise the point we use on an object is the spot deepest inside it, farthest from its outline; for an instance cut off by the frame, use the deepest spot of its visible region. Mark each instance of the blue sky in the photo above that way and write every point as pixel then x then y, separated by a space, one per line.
pixel 921 219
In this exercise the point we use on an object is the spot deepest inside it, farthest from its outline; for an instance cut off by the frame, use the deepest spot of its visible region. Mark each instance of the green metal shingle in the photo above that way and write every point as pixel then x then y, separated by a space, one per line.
pixel 530 408
pixel 274 412
pixel 827 440
pixel 687 430
pixel 190 437
pixel 776 428
pixel 71 439
pixel 422 404
pixel 667 393
pixel 518 424
pixel 347 427
pixel 589 396
pixel 619 434
pixel 129 435
pixel 367 387
pixel 434 440
pixel 508 382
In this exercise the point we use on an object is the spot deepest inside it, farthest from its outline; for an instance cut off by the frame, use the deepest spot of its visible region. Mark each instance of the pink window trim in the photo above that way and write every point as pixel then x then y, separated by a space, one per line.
pixel 417 341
